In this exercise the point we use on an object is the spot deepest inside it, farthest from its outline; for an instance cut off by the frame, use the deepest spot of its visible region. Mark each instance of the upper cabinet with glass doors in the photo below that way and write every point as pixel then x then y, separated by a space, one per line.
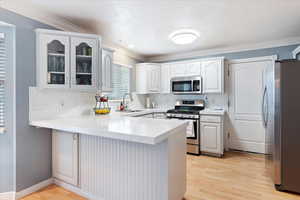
pixel 68 60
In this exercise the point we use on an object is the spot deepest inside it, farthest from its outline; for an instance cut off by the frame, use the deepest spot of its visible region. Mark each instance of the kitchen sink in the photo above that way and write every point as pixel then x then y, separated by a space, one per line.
pixel 154 115
pixel 129 111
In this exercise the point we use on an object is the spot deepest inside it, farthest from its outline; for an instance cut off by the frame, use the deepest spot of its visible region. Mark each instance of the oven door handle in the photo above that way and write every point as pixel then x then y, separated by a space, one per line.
pixel 196 127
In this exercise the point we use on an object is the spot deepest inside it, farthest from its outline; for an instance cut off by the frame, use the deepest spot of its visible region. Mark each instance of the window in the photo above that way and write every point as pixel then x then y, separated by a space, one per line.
pixel 121 76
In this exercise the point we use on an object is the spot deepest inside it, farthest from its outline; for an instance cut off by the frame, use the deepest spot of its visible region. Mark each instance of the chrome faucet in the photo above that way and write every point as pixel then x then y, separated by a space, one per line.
pixel 124 97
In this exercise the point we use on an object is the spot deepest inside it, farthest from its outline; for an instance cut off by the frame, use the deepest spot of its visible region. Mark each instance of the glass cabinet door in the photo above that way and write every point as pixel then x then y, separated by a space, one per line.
pixel 55 61
pixel 84 62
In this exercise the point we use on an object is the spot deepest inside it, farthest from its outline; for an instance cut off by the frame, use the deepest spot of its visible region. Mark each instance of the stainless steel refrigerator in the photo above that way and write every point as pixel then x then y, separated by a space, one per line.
pixel 281 117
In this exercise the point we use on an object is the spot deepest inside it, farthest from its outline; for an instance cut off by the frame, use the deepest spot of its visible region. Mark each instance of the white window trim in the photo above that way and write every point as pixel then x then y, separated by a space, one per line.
pixel 3 83
pixel 296 52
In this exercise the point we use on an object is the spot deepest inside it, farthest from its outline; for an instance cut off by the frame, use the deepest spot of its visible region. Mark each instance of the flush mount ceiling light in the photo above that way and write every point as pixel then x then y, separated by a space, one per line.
pixel 130 46
pixel 184 36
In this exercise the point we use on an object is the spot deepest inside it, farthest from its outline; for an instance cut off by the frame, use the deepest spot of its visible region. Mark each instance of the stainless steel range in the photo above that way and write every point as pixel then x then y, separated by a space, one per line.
pixel 189 110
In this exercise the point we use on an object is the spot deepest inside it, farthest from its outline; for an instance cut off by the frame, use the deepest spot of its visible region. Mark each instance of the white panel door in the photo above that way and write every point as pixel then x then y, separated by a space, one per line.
pixel 65 156
pixel 211 137
pixel 246 90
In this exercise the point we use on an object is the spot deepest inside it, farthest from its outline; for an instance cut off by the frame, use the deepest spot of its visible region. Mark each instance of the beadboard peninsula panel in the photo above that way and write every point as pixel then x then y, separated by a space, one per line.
pixel 114 169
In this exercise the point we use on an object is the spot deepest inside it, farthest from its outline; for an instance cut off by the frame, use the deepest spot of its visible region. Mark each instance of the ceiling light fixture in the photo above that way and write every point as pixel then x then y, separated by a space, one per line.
pixel 130 46
pixel 184 36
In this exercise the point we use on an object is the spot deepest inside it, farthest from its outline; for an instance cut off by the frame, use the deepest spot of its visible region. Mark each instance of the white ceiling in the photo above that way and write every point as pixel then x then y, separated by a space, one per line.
pixel 147 24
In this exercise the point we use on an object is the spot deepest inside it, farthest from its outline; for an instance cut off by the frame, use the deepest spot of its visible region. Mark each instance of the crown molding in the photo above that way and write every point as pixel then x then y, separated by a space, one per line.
pixel 254 59
pixel 218 51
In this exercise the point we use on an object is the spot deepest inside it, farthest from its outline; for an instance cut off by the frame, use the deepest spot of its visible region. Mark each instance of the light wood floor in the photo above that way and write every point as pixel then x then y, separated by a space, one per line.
pixel 237 176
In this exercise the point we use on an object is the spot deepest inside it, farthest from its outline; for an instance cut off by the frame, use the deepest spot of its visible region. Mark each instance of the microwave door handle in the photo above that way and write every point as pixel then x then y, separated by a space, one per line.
pixel 192 86
pixel 201 84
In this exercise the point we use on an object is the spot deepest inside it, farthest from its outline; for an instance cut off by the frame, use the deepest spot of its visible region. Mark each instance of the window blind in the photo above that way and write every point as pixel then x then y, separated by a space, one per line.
pixel 2 82
pixel 120 81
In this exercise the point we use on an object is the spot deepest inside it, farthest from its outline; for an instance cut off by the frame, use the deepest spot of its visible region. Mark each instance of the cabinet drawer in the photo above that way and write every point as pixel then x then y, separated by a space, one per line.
pixel 209 118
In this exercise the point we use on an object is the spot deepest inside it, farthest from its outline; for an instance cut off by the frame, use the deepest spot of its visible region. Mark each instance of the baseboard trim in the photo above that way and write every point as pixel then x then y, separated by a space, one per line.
pixel 7 196
pixel 75 189
pixel 34 188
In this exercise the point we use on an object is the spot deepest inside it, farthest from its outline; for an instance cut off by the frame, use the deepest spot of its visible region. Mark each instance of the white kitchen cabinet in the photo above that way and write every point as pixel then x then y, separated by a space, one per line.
pixel 193 69
pixel 178 69
pixel 213 75
pixel 67 60
pixel 141 79
pixel 165 79
pixel 211 129
pixel 53 61
pixel 154 78
pixel 148 78
pixel 107 63
pixel 84 62
pixel 65 156
pixel 185 69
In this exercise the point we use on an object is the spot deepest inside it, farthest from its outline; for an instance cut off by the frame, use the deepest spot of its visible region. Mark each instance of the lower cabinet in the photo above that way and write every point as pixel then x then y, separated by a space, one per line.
pixel 65 156
pixel 212 135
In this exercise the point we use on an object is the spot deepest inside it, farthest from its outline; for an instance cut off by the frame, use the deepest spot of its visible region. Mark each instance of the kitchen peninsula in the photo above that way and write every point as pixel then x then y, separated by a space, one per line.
pixel 117 156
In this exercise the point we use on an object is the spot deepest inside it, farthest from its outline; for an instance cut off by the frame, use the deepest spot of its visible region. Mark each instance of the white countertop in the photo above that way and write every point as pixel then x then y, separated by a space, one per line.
pixel 208 111
pixel 117 125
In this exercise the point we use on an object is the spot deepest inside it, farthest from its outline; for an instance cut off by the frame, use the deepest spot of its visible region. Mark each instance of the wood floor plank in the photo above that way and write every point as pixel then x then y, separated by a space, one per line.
pixel 237 176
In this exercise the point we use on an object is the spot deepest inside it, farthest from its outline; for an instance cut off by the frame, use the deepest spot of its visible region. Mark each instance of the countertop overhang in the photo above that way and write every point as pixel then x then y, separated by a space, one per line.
pixel 116 126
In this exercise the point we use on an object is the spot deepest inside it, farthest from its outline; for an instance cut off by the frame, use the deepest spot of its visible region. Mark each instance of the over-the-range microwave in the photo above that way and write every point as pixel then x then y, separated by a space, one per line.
pixel 186 85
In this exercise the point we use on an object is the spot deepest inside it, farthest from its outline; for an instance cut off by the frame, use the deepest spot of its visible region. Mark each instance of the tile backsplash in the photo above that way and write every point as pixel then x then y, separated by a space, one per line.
pixel 53 103
pixel 169 100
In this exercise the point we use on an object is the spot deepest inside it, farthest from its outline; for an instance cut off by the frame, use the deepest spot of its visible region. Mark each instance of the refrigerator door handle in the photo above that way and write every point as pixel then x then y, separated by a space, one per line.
pixel 263 107
pixel 267 107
